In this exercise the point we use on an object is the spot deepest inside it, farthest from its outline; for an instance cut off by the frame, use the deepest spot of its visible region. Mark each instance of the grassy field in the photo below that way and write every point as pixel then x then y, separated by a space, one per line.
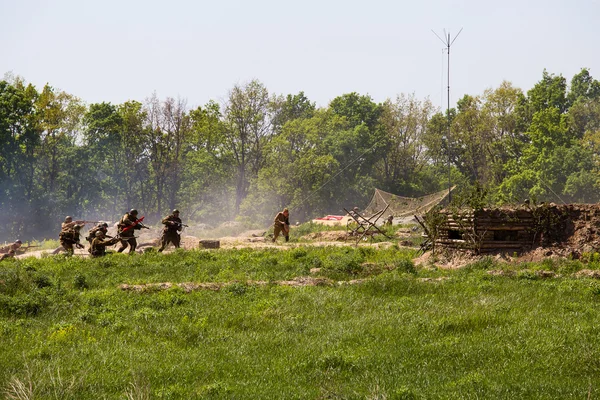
pixel 67 331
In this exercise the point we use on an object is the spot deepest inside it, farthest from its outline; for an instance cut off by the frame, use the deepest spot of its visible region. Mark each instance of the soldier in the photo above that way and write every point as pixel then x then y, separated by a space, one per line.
pixel 92 232
pixel 389 221
pixel 127 236
pixel 281 223
pixel 10 254
pixel 171 231
pixel 14 246
pixel 69 223
pixel 98 245
pixel 69 238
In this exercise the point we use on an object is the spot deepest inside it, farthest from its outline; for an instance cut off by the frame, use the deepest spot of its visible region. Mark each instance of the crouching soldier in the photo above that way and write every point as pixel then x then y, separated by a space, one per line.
pixel 99 244
pixel 281 224
pixel 13 246
pixel 92 232
pixel 70 238
pixel 10 254
pixel 171 231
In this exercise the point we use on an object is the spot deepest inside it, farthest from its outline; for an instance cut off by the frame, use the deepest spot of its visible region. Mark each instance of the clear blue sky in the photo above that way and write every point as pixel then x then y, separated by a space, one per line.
pixel 120 50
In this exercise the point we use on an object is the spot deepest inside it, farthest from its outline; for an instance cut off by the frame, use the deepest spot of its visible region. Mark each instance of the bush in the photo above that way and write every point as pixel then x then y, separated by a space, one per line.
pixel 404 265
pixel 80 282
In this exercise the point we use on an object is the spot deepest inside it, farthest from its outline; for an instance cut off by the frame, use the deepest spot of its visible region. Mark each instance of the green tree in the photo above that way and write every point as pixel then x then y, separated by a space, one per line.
pixel 248 115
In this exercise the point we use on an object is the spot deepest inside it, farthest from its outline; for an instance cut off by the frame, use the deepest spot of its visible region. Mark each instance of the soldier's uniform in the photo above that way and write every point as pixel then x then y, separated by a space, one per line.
pixel 171 230
pixel 281 223
pixel 98 246
pixel 10 254
pixel 389 221
pixel 70 224
pixel 13 246
pixel 70 238
pixel 92 232
pixel 128 237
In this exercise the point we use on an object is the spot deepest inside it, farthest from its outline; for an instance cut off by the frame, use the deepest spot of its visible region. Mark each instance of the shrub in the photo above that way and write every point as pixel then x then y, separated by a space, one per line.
pixel 80 282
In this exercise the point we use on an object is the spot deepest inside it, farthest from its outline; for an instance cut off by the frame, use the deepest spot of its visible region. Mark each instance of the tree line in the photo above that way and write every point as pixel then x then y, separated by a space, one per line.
pixel 256 152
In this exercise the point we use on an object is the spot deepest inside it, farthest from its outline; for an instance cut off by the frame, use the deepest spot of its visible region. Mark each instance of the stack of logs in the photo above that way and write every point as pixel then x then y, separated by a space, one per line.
pixel 488 230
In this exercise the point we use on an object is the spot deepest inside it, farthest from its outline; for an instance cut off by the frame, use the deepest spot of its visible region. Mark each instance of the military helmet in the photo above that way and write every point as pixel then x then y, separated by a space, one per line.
pixel 18 241
pixel 175 211
pixel 104 224
pixel 99 233
pixel 68 218
pixel 133 211
pixel 77 227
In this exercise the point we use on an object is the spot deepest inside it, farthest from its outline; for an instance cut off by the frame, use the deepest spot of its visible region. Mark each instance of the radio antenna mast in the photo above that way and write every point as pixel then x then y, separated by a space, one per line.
pixel 447 41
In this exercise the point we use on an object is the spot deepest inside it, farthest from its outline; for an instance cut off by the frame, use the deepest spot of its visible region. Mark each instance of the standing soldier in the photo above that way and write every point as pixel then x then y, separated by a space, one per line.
pixel 98 245
pixel 281 224
pixel 171 230
pixel 127 236
pixel 69 238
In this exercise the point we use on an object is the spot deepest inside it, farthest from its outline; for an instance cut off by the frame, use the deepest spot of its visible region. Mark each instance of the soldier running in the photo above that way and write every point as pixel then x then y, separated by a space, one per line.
pixel 171 231
pixel 127 236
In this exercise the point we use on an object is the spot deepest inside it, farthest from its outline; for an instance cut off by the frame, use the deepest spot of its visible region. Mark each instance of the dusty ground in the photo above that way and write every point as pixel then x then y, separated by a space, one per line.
pixel 249 239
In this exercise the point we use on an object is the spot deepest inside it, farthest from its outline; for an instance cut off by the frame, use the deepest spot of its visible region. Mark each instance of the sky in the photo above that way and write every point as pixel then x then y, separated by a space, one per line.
pixel 116 51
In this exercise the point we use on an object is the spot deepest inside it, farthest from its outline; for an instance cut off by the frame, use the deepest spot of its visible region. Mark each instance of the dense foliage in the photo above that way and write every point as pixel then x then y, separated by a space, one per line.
pixel 257 152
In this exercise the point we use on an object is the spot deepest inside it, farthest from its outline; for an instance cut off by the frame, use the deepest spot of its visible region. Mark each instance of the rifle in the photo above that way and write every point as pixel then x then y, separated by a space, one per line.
pixel 137 222
pixel 28 247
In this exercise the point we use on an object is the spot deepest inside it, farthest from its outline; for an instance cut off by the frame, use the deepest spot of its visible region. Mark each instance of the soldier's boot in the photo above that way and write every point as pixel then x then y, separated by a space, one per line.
pixel 287 238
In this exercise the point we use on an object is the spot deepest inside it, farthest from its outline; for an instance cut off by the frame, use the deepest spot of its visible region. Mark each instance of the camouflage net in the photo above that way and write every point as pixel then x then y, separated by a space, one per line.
pixel 404 206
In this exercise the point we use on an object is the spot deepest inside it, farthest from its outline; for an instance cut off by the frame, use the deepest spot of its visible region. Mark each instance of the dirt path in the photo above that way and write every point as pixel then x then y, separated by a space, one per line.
pixel 229 242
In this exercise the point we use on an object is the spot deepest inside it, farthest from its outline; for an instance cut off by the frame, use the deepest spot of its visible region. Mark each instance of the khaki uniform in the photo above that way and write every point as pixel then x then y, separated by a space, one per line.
pixel 98 246
pixel 128 237
pixel 171 232
pixel 65 226
pixel 10 254
pixel 92 233
pixel 13 246
pixel 68 239
pixel 281 224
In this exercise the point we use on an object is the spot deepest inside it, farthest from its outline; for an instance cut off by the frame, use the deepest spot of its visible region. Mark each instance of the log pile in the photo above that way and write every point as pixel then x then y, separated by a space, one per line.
pixel 489 230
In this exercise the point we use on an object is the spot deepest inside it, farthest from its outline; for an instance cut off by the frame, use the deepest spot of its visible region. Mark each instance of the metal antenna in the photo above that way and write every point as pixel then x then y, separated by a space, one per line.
pixel 447 41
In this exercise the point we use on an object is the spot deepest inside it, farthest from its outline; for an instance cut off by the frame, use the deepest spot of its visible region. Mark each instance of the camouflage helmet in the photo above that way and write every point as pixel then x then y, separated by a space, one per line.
pixel 99 233
pixel 133 211
pixel 68 218
pixel 175 211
